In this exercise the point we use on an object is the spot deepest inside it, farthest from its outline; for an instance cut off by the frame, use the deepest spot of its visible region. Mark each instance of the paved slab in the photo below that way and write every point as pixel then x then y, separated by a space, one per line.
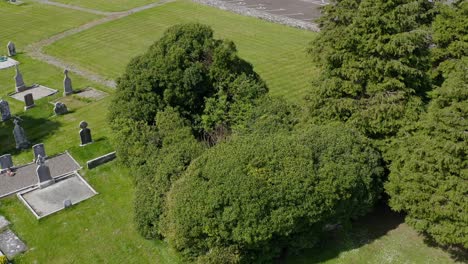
pixel 10 244
pixel 91 93
pixel 8 63
pixel 51 199
pixel 25 176
pixel 38 92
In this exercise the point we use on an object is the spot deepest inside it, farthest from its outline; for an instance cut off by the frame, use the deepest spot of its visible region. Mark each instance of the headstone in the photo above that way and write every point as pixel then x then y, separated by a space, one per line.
pixel 6 162
pixel 60 108
pixel 5 110
pixel 67 203
pixel 28 101
pixel 20 137
pixel 39 149
pixel 11 48
pixel 43 173
pixel 85 134
pixel 67 84
pixel 20 86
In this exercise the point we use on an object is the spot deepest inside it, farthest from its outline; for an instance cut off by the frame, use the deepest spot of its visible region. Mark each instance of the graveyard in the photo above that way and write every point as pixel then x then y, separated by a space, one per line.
pixel 80 212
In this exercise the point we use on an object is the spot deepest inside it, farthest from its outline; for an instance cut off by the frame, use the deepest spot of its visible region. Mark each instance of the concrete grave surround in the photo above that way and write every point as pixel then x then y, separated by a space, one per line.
pixel 46 201
pixel 90 93
pixel 5 110
pixel 26 178
pixel 10 244
pixel 8 63
pixel 38 92
pixel 101 160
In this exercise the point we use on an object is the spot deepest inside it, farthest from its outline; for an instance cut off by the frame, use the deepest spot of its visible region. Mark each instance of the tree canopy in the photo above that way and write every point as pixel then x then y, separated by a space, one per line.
pixel 250 198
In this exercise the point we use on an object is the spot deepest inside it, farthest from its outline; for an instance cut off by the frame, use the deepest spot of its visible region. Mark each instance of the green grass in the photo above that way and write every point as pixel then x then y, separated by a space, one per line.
pixel 278 53
pixel 107 5
pixel 32 22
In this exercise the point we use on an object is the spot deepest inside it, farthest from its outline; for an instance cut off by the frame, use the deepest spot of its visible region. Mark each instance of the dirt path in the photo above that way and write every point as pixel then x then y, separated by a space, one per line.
pixel 35 50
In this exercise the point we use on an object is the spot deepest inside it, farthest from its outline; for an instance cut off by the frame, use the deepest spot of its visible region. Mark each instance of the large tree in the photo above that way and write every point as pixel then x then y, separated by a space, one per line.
pixel 249 199
pixel 374 56
pixel 186 69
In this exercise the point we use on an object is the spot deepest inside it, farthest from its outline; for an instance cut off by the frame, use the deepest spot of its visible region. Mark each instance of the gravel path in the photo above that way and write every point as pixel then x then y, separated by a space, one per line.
pixel 35 49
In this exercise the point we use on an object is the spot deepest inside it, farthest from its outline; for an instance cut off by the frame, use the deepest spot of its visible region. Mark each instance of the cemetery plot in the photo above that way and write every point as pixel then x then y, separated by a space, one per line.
pixel 66 191
pixel 37 91
pixel 92 94
pixel 6 62
pixel 25 176
pixel 10 244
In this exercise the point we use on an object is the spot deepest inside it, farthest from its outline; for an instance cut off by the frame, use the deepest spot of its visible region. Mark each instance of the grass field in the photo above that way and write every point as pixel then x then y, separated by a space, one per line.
pixel 31 22
pixel 100 230
pixel 108 5
pixel 277 52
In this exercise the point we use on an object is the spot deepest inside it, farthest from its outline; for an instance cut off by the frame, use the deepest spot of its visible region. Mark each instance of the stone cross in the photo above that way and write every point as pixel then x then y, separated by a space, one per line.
pixel 5 110
pixel 60 108
pixel 85 134
pixel 43 173
pixel 20 86
pixel 11 49
pixel 28 101
pixel 6 161
pixel 39 149
pixel 20 137
pixel 67 84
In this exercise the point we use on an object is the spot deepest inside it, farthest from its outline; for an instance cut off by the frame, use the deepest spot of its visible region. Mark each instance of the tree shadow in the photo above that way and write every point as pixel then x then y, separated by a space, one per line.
pixel 36 129
pixel 457 253
pixel 362 231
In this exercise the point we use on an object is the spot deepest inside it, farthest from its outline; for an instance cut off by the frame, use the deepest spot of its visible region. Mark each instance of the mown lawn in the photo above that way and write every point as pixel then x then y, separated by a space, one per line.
pixel 277 52
pixel 32 22
pixel 108 5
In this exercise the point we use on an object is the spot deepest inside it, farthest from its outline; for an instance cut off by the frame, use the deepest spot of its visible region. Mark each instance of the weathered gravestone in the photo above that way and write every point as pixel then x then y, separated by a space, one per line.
pixel 85 134
pixel 5 110
pixel 43 173
pixel 60 108
pixel 67 84
pixel 28 101
pixel 39 149
pixel 67 203
pixel 20 137
pixel 11 49
pixel 19 82
pixel 6 161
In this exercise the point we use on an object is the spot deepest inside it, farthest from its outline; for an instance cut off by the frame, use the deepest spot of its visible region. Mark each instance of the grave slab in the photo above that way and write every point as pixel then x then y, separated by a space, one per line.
pixel 38 92
pixel 90 93
pixel 10 244
pixel 46 201
pixel 8 63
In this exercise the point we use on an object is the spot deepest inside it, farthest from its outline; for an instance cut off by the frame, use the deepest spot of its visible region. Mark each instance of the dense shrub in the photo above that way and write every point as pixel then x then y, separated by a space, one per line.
pixel 252 197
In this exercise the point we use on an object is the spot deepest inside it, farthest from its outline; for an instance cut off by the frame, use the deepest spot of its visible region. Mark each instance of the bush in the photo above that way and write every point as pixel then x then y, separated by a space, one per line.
pixel 261 194
pixel 3 259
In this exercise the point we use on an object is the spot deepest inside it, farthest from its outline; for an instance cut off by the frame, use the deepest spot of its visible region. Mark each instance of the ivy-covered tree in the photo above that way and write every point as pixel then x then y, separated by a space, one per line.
pixel 186 69
pixel 249 199
pixel 374 56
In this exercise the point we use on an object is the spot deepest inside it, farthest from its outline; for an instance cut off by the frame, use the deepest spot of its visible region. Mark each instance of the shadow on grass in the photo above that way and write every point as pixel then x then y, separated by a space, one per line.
pixel 36 129
pixel 457 253
pixel 363 231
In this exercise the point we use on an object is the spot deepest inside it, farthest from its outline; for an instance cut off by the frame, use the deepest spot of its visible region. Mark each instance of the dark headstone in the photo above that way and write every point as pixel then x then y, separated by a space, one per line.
pixel 67 84
pixel 60 108
pixel 19 82
pixel 39 149
pixel 5 110
pixel 43 173
pixel 20 136
pixel 11 47
pixel 6 162
pixel 85 134
pixel 67 203
pixel 28 101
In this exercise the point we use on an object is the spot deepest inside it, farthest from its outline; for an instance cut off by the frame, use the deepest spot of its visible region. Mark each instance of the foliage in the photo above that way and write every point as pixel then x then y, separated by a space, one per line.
pixel 429 172
pixel 374 56
pixel 185 69
pixel 259 194
pixel 3 259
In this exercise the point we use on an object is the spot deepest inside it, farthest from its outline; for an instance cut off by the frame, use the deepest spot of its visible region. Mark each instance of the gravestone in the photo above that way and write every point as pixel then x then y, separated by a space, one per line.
pixel 39 149
pixel 85 134
pixel 5 110
pixel 19 82
pixel 60 108
pixel 20 137
pixel 6 162
pixel 67 203
pixel 67 84
pixel 28 101
pixel 11 49
pixel 43 173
